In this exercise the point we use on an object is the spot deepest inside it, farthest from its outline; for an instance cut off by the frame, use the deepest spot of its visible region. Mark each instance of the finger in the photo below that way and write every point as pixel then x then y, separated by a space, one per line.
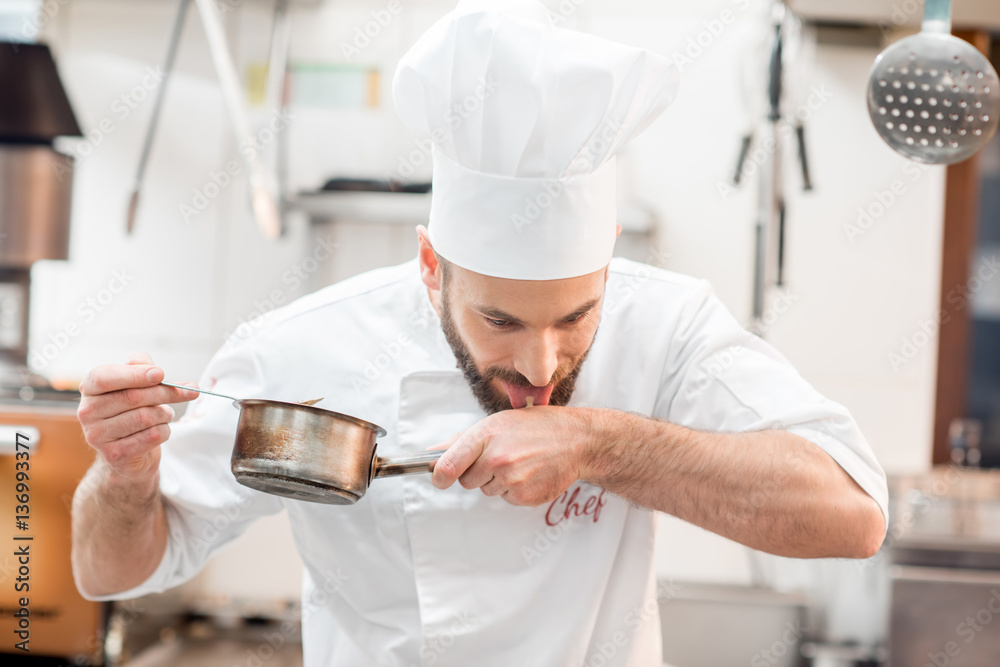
pixel 105 379
pixel 104 406
pixel 127 423
pixel 478 474
pixel 447 443
pixel 135 446
pixel 493 488
pixel 454 462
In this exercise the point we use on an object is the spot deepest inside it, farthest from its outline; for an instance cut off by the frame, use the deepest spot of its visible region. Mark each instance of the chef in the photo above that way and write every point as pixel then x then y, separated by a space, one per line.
pixel 575 395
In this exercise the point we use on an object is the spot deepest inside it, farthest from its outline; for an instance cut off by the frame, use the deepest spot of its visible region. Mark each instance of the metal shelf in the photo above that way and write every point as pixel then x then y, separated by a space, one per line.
pixel 405 208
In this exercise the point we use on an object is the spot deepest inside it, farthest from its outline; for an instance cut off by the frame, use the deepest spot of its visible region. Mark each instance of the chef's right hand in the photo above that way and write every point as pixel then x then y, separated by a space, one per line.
pixel 124 415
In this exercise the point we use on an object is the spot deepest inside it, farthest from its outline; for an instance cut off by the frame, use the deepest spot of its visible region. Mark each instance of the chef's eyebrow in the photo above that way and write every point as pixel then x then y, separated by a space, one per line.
pixel 497 314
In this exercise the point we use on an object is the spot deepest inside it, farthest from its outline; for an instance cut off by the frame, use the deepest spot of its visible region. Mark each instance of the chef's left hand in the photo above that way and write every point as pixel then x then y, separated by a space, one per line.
pixel 528 456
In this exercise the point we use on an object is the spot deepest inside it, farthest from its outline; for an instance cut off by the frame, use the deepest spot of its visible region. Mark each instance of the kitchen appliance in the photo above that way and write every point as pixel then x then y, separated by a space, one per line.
pixel 932 97
pixel 761 626
pixel 308 453
pixel 35 191
pixel 945 572
pixel 945 598
pixel 35 194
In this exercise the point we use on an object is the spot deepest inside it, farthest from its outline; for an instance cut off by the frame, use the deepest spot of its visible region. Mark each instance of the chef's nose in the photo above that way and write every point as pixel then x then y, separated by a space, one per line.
pixel 538 359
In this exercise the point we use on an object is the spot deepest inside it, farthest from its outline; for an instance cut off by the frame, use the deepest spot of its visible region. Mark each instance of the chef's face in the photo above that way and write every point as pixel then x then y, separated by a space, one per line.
pixel 515 340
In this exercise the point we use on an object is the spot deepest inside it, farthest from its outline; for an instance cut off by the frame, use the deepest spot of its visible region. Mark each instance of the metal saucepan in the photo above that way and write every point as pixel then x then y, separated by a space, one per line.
pixel 309 453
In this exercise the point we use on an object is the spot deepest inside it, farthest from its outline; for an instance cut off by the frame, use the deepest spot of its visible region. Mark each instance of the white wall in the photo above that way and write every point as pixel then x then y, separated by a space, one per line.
pixel 855 298
pixel 188 282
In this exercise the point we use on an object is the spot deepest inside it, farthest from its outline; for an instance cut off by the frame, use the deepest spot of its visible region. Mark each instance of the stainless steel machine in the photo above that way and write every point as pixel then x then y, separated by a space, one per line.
pixel 36 183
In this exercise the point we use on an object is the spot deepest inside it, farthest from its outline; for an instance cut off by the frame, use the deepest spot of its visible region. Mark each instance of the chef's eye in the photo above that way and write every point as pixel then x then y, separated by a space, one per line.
pixel 500 324
pixel 576 318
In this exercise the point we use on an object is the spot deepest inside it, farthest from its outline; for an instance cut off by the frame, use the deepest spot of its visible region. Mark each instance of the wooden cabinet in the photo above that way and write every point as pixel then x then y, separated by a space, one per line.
pixel 62 623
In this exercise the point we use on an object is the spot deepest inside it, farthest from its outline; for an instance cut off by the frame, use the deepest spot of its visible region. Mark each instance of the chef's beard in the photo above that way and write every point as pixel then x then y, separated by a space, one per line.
pixel 491 400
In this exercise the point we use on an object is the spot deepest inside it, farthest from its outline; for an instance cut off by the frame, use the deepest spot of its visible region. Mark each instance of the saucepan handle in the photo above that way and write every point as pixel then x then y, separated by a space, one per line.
pixel 406 465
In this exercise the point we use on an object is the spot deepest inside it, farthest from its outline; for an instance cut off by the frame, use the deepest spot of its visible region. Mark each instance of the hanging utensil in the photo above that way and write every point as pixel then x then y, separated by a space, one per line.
pixel 771 200
pixel 263 202
pixel 275 98
pixel 277 62
pixel 799 56
pixel 307 453
pixel 147 144
pixel 932 97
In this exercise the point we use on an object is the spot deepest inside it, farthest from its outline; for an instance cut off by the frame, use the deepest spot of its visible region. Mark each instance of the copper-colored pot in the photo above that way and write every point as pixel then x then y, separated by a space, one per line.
pixel 308 453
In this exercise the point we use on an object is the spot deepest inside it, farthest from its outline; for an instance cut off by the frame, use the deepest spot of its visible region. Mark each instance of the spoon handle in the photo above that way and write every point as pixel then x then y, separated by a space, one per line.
pixel 201 391
pixel 937 16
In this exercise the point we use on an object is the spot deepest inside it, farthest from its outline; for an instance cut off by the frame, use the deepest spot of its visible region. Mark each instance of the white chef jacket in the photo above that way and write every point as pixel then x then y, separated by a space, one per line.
pixel 412 575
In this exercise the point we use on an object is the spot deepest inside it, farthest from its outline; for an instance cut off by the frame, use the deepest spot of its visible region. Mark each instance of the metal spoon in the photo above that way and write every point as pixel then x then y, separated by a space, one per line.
pixel 932 97
pixel 212 393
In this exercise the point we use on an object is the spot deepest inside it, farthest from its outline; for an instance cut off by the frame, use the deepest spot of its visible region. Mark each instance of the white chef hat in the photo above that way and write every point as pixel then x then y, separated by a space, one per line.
pixel 525 120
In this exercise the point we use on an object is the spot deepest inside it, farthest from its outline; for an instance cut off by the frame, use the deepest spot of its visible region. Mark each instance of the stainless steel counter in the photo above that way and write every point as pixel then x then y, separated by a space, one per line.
pixel 944 539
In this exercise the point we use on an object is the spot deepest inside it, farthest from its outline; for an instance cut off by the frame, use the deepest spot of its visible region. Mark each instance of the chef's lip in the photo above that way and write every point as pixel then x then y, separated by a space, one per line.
pixel 519 394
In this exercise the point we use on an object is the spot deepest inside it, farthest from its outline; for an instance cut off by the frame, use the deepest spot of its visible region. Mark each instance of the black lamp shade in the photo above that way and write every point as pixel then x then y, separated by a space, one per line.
pixel 33 105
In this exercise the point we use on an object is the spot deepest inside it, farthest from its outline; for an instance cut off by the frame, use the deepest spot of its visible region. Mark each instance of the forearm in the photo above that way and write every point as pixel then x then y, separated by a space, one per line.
pixel 119 531
pixel 771 490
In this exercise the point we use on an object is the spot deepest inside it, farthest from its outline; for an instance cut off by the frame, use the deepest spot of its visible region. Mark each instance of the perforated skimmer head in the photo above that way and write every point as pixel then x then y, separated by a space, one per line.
pixel 932 97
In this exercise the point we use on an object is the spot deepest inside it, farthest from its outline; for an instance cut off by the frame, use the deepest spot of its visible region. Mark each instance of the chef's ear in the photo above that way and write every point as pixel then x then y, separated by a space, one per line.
pixel 430 267
pixel 618 231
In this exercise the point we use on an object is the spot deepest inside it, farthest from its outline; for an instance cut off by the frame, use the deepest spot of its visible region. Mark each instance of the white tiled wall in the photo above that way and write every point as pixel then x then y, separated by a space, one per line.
pixel 194 281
